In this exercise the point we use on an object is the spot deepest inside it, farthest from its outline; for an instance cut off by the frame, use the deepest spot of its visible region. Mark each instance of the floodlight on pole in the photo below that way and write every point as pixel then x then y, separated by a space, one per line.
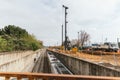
pixel 65 7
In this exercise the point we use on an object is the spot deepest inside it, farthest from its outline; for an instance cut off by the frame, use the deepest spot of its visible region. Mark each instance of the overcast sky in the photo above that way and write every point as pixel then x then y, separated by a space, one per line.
pixel 43 18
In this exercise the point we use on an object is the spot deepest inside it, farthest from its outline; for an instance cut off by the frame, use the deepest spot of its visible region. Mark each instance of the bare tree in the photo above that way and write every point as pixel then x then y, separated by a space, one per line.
pixel 83 37
pixel 74 42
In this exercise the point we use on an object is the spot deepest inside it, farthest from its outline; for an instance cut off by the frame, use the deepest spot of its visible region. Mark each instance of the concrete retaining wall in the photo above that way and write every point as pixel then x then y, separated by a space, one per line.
pixel 17 61
pixel 83 67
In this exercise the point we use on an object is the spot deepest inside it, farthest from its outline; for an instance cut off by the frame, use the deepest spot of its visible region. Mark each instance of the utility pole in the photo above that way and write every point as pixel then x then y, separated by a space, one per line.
pixel 62 35
pixel 118 41
pixel 78 41
pixel 65 7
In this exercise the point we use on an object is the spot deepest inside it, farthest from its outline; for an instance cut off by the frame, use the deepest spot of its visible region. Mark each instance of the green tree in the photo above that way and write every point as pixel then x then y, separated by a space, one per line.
pixel 3 44
pixel 17 38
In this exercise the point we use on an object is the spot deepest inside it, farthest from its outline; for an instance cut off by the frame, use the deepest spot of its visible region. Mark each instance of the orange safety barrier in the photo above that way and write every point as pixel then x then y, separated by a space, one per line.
pixel 35 76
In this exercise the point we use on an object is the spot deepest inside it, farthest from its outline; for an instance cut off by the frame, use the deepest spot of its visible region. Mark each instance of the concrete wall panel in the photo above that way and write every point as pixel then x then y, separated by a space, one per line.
pixel 84 67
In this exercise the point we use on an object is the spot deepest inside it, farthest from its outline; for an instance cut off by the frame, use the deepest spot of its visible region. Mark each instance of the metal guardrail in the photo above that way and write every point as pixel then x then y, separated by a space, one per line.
pixel 41 76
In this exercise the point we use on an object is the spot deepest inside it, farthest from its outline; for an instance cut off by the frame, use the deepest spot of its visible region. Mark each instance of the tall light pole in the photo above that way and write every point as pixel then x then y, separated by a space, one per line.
pixel 78 40
pixel 62 35
pixel 65 7
pixel 118 41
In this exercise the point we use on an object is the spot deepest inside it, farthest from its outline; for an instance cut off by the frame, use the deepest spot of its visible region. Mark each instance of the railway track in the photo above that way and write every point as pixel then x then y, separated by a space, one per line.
pixel 46 66
pixel 57 67
pixel 50 64
pixel 41 65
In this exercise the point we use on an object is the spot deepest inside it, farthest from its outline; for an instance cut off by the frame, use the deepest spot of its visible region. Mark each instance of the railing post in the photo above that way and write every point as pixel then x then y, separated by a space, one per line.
pixel 7 77
pixel 19 78
pixel 46 78
pixel 59 78
pixel 31 78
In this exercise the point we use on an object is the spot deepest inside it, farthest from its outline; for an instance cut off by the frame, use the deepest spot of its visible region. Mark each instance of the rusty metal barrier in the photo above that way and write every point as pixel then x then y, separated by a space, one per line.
pixel 42 76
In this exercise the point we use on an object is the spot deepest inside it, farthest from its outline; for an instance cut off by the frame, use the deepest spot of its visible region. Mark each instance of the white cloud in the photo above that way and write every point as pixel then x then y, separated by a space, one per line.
pixel 97 17
pixel 43 17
